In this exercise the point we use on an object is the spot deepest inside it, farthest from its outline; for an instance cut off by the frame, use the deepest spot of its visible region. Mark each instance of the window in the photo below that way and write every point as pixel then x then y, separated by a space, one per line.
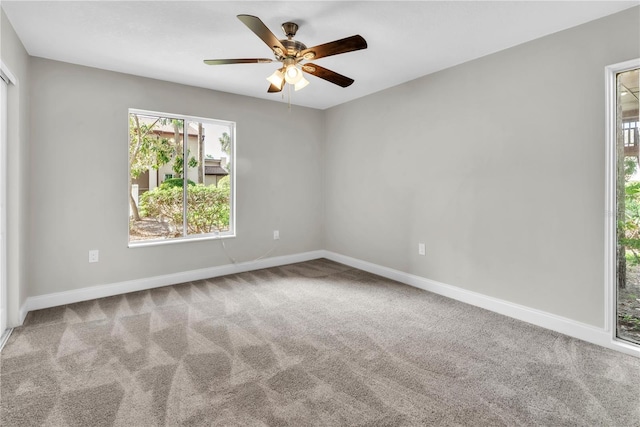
pixel 624 176
pixel 181 182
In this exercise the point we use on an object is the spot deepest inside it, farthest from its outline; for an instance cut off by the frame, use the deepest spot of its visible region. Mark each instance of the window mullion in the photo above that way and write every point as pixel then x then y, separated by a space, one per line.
pixel 185 150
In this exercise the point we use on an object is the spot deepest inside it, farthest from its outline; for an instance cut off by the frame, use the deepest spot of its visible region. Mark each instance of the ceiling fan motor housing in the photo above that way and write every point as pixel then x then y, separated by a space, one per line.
pixel 293 47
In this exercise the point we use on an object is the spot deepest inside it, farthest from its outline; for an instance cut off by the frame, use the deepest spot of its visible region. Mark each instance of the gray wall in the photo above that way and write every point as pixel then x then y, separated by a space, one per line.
pixel 78 182
pixel 15 57
pixel 496 164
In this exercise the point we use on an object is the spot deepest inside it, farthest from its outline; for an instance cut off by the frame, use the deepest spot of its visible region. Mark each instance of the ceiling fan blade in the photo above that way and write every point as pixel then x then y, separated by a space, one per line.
pixel 257 26
pixel 328 75
pixel 345 45
pixel 237 61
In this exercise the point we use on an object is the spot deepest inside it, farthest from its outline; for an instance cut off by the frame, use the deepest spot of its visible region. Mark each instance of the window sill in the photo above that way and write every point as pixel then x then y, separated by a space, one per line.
pixel 188 239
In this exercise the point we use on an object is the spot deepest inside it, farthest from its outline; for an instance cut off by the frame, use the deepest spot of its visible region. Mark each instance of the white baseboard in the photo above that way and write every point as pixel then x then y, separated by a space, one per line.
pixel 100 291
pixel 546 320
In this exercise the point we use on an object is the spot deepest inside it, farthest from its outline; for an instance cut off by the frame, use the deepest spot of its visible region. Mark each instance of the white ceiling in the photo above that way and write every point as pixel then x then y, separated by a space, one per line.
pixel 168 40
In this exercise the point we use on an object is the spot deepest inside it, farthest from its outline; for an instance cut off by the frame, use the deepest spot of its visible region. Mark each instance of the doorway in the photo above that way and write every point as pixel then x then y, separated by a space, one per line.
pixel 4 81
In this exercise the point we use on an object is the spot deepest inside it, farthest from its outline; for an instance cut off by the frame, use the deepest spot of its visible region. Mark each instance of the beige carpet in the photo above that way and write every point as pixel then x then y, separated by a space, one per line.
pixel 310 344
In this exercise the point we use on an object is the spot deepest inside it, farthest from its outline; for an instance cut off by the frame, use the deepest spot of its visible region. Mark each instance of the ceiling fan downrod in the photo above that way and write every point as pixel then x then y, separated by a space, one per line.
pixel 290 29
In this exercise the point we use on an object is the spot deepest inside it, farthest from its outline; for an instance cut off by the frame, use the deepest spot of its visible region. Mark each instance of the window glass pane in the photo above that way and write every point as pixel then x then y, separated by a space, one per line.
pixel 628 207
pixel 209 190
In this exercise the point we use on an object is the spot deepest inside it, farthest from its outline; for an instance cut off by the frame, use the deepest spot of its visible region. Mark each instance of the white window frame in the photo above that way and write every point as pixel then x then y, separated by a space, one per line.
pixel 231 233
pixel 610 270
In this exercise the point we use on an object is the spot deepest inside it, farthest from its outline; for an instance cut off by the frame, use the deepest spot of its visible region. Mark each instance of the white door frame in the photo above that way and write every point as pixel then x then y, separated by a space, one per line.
pixel 9 81
pixel 4 82
pixel 610 269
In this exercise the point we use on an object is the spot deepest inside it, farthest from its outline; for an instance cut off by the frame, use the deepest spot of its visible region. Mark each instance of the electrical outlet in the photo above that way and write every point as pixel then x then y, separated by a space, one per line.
pixel 421 249
pixel 276 235
pixel 93 255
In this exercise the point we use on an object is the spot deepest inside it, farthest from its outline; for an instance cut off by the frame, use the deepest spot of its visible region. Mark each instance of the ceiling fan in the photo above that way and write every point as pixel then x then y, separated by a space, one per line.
pixel 291 53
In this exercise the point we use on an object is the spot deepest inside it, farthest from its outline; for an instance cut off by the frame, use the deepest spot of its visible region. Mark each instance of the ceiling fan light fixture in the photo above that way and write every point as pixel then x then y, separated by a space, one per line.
pixel 292 74
pixel 301 84
pixel 276 78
